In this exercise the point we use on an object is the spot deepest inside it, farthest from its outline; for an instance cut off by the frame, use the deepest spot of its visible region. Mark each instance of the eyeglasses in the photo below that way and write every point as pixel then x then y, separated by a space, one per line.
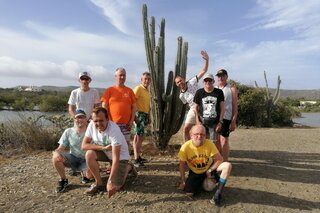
pixel 85 79
pixel 208 80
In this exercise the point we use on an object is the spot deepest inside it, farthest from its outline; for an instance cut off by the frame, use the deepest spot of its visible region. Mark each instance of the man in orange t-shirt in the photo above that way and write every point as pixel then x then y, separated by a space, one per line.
pixel 120 102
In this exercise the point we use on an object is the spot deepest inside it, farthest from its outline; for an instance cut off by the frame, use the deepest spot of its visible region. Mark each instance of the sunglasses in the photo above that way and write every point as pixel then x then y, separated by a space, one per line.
pixel 208 80
pixel 85 79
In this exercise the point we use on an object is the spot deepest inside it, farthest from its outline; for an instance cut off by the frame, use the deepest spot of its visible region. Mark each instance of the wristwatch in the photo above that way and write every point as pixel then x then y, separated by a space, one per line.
pixel 221 121
pixel 209 170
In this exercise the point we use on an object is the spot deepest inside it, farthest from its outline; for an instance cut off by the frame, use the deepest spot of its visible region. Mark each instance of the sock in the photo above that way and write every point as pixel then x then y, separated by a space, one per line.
pixel 221 184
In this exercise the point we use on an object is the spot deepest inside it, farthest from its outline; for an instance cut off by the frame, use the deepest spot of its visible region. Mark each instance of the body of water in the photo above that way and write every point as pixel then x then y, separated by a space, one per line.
pixel 6 115
pixel 309 119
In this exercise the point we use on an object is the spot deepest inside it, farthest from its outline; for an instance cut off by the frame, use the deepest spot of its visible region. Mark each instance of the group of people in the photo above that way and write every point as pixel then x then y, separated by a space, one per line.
pixel 212 114
pixel 101 132
pixel 102 128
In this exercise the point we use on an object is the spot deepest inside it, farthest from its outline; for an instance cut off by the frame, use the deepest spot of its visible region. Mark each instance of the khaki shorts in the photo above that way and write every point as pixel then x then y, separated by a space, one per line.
pixel 191 116
pixel 122 170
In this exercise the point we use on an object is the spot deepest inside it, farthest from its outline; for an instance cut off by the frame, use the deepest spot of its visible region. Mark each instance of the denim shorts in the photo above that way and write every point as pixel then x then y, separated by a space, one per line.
pixel 73 162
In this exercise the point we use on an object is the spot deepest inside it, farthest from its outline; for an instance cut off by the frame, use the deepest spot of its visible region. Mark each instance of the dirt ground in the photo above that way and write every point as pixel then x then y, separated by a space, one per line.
pixel 274 170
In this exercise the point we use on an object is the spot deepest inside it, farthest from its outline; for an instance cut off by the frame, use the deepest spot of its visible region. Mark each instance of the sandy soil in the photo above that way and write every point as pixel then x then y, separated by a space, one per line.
pixel 274 170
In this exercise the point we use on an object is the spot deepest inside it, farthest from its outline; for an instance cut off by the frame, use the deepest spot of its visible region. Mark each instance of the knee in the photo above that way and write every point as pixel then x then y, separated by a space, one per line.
pixel 91 155
pixel 56 158
pixel 228 166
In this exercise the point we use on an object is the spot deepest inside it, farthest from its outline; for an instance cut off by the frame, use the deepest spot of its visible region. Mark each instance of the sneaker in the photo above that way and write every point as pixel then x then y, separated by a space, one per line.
pixel 142 160
pixel 133 172
pixel 85 180
pixel 137 163
pixel 94 189
pixel 61 185
pixel 216 199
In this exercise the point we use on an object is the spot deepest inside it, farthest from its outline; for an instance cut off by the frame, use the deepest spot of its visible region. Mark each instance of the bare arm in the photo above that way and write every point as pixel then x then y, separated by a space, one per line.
pixel 196 112
pixel 234 92
pixel 205 57
pixel 87 145
pixel 218 128
pixel 111 187
pixel 72 110
pixel 182 170
pixel 133 115
pixel 104 105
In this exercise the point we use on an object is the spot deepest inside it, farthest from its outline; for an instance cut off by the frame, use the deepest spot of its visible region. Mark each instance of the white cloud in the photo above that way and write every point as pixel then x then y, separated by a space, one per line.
pixel 122 14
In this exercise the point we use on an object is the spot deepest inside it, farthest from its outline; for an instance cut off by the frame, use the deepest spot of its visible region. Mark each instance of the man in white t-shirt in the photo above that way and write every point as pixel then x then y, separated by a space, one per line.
pixel 187 91
pixel 104 141
pixel 84 97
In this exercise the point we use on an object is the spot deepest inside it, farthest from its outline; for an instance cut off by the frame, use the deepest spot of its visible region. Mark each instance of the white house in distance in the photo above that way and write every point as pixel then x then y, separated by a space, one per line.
pixel 29 88
pixel 304 103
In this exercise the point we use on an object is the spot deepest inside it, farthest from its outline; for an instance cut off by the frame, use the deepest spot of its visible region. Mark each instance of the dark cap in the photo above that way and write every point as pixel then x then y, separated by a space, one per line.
pixel 79 112
pixel 222 72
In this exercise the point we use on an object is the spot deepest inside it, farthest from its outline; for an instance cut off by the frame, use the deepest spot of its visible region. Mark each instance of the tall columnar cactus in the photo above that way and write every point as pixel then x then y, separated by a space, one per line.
pixel 167 110
pixel 271 101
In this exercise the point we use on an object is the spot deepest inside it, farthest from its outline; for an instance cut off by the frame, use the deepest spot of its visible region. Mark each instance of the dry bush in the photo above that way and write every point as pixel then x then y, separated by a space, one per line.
pixel 30 133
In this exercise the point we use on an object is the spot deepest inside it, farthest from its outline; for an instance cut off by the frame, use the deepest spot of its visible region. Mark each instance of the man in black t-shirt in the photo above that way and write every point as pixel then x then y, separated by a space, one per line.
pixel 209 106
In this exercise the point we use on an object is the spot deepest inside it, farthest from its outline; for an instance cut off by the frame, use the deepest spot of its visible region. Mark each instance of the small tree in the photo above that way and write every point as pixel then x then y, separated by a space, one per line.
pixel 270 100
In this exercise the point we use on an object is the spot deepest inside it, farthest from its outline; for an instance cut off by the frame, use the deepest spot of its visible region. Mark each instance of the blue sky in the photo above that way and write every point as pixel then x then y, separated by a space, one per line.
pixel 49 42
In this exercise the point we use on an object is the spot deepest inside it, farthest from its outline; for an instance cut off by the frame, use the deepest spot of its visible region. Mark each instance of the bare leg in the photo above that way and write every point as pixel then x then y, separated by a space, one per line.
pixel 93 165
pixel 57 161
pixel 137 143
pixel 224 146
pixel 225 169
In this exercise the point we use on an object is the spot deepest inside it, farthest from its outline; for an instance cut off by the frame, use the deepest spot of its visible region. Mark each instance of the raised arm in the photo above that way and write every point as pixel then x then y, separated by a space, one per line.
pixel 205 57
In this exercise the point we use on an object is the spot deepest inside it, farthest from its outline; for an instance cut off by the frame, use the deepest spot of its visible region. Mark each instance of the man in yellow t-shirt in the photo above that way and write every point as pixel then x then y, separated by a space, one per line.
pixel 143 98
pixel 203 159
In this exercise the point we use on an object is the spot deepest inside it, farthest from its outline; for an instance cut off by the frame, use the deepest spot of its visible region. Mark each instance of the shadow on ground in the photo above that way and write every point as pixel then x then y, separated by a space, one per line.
pixel 277 165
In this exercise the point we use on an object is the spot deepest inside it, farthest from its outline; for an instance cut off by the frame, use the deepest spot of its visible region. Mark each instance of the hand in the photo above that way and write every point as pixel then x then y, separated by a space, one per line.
pixel 181 186
pixel 112 189
pixel 218 127
pixel 232 126
pixel 205 55
pixel 129 125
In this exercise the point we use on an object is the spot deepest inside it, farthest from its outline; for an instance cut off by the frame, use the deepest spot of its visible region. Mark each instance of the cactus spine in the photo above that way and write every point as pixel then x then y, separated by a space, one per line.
pixel 167 110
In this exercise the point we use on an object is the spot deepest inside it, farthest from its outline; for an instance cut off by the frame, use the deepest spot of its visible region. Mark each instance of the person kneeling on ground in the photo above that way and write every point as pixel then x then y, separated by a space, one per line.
pixel 75 159
pixel 203 159
pixel 104 141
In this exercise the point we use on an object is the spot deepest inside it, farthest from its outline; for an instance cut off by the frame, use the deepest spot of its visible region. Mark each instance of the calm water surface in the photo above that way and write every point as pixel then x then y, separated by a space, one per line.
pixel 309 119
pixel 17 115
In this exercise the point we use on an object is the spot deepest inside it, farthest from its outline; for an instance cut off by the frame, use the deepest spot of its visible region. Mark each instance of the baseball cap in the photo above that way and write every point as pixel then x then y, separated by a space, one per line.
pixel 208 75
pixel 84 74
pixel 222 72
pixel 79 112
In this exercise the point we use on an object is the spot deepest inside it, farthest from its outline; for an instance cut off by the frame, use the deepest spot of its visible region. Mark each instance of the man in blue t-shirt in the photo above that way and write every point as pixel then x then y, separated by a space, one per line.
pixel 75 158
